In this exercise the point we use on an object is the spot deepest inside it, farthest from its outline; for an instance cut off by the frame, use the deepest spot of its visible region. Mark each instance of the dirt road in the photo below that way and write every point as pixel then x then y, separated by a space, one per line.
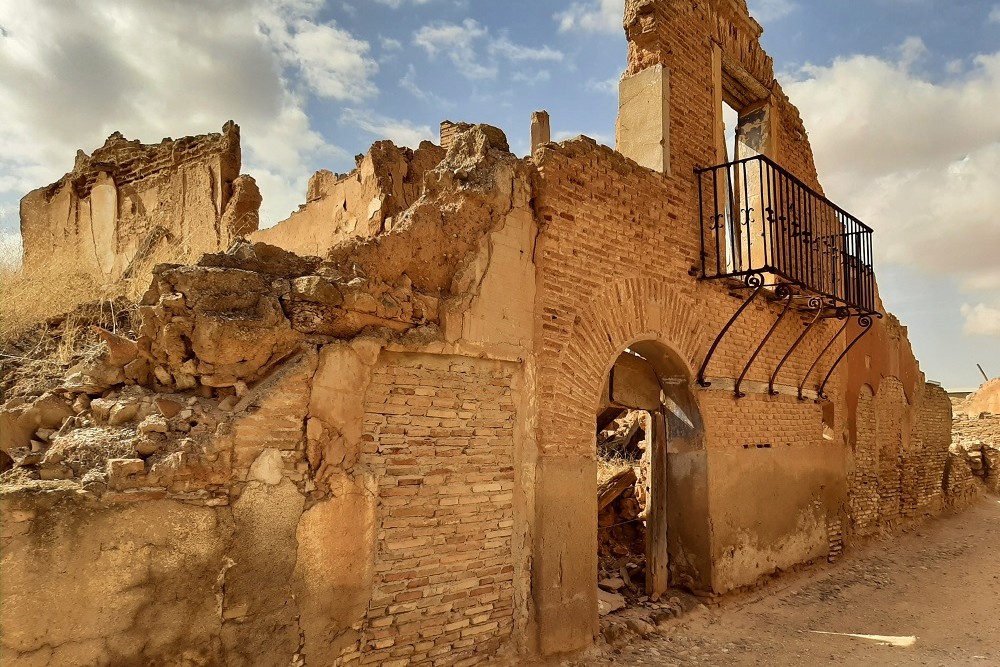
pixel 939 584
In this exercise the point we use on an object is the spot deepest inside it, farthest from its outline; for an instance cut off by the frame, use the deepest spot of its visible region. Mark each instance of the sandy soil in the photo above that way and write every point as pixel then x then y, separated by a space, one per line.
pixel 939 584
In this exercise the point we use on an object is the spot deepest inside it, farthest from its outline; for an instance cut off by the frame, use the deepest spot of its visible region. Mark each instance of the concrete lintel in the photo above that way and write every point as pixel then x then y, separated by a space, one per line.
pixel 643 126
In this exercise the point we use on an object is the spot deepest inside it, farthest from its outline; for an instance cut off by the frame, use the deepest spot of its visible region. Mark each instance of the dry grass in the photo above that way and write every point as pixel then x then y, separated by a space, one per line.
pixel 32 295
pixel 610 465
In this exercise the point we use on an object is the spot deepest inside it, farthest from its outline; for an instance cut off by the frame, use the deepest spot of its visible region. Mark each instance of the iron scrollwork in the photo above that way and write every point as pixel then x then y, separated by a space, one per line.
pixel 783 291
pixel 814 303
pixel 865 322
pixel 754 280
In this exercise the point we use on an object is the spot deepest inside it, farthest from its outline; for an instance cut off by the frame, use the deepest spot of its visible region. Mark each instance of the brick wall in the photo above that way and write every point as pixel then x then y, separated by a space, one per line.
pixel 616 252
pixel 891 432
pixel 900 453
pixel 439 432
pixel 177 189
pixel 130 161
pixel 863 479
pixel 924 464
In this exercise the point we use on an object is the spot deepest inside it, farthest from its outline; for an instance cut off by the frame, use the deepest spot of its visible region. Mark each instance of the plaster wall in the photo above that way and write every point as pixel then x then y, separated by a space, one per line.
pixel 121 203
pixel 360 506
pixel 360 204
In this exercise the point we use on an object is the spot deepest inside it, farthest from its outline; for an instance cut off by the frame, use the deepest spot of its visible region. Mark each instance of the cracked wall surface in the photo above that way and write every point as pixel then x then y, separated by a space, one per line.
pixel 341 454
pixel 126 200
pixel 359 204
pixel 382 449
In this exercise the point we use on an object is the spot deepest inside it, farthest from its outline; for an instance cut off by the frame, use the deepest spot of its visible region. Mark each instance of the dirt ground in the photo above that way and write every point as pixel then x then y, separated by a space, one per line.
pixel 939 583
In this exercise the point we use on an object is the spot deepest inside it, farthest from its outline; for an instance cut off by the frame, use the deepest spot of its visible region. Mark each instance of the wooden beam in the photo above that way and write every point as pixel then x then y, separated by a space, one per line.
pixel 614 487
pixel 657 570
pixel 608 415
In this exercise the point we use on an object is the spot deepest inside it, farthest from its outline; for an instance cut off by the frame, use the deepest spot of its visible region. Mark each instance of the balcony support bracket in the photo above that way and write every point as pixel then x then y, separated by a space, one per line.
pixel 842 314
pixel 816 304
pixel 755 281
pixel 865 321
pixel 785 292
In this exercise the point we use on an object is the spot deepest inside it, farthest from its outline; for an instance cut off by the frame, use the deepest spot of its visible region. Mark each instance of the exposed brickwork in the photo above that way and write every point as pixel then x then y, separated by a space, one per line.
pixel 891 431
pixel 960 485
pixel 863 479
pixel 130 161
pixel 924 464
pixel 899 456
pixel 596 301
pixel 762 422
pixel 439 434
pixel 128 198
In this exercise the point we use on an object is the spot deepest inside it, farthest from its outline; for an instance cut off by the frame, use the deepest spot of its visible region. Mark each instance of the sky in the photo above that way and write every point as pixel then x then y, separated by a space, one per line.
pixel 901 99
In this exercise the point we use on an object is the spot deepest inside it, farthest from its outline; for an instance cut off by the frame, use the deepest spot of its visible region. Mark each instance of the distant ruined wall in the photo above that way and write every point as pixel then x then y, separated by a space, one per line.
pixel 127 199
pixel 360 204
pixel 899 430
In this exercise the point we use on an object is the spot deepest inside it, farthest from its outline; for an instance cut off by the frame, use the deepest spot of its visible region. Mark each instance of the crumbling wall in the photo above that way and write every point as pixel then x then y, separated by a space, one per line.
pixel 127 199
pixel 931 437
pixel 863 476
pixel 892 433
pixel 912 422
pixel 900 450
pixel 346 503
pixel 984 399
pixel 359 204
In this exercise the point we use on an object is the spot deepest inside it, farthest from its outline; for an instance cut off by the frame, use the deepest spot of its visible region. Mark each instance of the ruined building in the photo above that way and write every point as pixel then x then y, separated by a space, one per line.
pixel 368 437
pixel 126 199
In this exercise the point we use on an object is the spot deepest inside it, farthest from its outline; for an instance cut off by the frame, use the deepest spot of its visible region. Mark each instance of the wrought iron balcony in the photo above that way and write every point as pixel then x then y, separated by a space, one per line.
pixel 760 224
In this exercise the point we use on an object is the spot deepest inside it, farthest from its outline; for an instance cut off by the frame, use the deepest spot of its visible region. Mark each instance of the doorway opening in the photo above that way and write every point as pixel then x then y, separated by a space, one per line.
pixel 647 509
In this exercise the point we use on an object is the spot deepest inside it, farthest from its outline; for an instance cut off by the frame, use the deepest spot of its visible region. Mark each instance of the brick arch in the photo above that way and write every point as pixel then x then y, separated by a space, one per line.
pixel 619 314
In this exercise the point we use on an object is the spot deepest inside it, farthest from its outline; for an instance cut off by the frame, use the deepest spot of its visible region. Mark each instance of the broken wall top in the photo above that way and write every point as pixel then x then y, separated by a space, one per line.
pixel 651 29
pixel 359 204
pixel 127 161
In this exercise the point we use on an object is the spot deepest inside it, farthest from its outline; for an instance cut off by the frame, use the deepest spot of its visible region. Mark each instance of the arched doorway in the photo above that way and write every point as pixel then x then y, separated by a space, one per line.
pixel 651 476
pixel 569 377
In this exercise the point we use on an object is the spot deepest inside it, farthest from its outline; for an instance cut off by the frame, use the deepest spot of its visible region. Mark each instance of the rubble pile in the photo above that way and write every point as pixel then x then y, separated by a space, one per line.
pixel 621 549
pixel 143 413
pixel 621 499
pixel 149 403
pixel 976 439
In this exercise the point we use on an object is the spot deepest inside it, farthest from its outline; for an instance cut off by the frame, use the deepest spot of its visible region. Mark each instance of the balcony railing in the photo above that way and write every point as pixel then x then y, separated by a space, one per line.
pixel 759 220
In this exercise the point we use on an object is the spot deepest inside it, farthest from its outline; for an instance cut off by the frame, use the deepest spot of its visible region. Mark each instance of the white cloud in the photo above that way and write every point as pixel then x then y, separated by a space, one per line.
pixel 390 44
pixel 916 159
pixel 531 78
pixel 332 63
pixel 400 132
pixel 767 11
pixel 981 320
pixel 396 4
pixel 457 42
pixel 72 73
pixel 910 52
pixel 409 84
pixel 605 86
pixel 592 16
pixel 505 48
pixel 460 43
pixel 994 16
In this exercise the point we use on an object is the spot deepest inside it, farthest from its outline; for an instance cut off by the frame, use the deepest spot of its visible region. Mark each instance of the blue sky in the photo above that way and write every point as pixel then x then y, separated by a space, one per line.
pixel 900 97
